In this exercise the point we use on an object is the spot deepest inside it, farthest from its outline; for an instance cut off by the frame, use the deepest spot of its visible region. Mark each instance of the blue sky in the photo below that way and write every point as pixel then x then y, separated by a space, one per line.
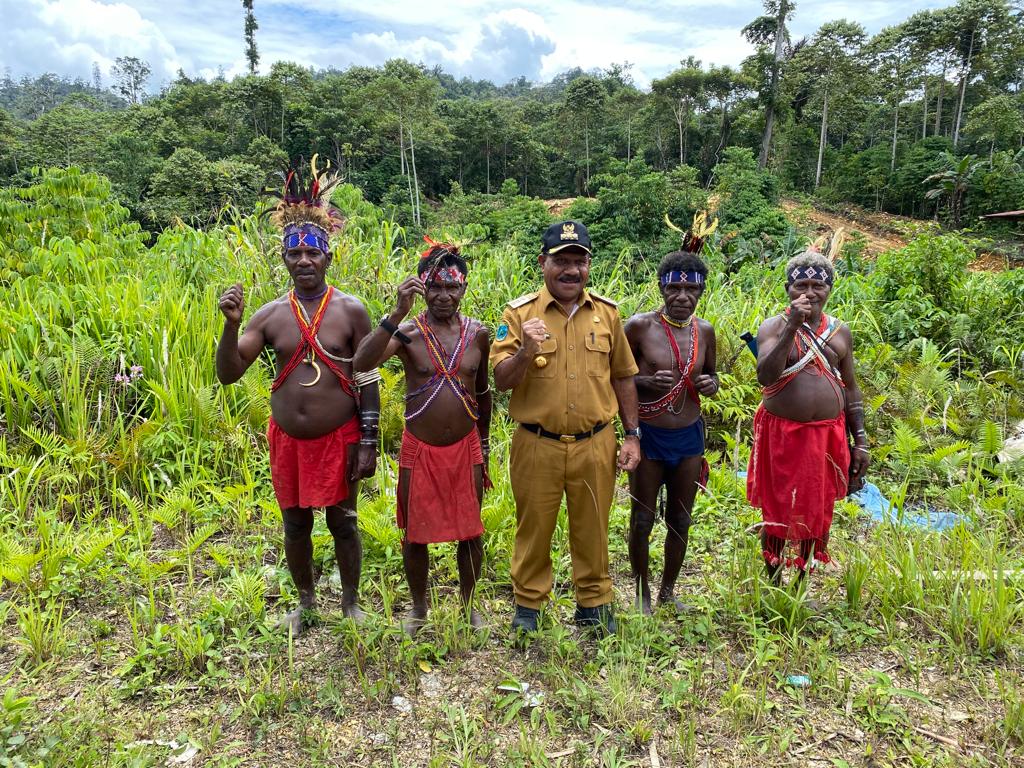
pixel 495 39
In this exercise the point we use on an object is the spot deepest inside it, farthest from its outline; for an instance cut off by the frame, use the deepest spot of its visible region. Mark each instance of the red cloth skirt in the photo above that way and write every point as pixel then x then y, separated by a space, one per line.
pixel 442 500
pixel 311 473
pixel 798 470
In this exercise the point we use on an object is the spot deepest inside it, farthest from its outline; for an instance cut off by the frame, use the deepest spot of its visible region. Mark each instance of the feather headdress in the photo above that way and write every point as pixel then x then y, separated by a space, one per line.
pixel 435 255
pixel 829 246
pixel 305 204
pixel 703 227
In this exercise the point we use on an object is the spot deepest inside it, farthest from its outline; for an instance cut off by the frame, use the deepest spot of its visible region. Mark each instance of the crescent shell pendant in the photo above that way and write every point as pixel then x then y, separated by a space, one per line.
pixel 316 367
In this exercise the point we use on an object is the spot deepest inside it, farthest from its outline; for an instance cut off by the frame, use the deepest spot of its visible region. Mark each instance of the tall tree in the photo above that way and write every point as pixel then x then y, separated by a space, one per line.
pixel 771 26
pixel 832 64
pixel 890 52
pixel 252 55
pixel 583 101
pixel 682 90
pixel 130 75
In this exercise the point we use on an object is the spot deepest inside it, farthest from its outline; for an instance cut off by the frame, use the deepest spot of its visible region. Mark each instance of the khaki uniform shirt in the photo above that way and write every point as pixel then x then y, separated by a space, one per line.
pixel 571 390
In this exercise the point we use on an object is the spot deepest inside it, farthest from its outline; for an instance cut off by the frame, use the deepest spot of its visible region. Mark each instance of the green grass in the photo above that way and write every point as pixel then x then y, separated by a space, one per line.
pixel 142 575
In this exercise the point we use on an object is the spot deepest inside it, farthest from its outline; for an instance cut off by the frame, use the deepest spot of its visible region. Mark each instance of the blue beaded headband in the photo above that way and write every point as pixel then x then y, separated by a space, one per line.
pixel 808 273
pixel 306 236
pixel 682 277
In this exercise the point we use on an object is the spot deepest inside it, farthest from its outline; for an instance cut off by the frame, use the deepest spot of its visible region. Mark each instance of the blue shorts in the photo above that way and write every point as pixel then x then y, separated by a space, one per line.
pixel 671 446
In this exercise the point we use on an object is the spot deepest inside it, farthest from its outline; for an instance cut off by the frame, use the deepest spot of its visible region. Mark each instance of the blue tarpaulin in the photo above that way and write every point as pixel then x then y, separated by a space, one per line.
pixel 882 510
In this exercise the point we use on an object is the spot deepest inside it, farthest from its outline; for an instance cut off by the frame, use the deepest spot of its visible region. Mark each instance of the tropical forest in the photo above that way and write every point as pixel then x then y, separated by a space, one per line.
pixel 142 565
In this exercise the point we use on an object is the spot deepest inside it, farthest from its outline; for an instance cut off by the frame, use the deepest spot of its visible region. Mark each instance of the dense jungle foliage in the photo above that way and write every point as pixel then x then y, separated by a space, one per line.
pixel 141 565
pixel 925 118
pixel 140 546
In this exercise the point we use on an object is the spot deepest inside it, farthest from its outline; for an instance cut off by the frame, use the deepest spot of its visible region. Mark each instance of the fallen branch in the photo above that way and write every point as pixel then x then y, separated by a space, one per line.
pixel 949 742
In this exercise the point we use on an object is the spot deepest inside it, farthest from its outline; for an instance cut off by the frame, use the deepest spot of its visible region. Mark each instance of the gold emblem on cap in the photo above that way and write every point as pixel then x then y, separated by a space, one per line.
pixel 569 231
pixel 597 319
pixel 540 361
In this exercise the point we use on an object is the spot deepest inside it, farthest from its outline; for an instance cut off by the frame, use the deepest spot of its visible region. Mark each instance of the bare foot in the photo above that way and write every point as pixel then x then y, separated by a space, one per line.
pixel 354 612
pixel 414 622
pixel 475 620
pixel 292 622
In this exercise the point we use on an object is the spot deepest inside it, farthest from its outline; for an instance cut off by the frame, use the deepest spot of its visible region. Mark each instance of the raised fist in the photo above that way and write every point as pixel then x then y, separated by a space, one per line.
pixel 799 310
pixel 534 333
pixel 232 303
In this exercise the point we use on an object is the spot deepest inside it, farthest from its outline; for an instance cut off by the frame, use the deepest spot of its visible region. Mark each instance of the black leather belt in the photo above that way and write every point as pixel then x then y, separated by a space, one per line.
pixel 537 430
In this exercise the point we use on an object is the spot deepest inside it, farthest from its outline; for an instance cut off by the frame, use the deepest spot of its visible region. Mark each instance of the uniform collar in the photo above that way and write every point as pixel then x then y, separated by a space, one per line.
pixel 546 299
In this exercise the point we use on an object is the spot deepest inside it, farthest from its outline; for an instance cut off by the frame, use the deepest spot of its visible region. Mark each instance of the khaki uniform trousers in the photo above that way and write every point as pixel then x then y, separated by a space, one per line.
pixel 541 471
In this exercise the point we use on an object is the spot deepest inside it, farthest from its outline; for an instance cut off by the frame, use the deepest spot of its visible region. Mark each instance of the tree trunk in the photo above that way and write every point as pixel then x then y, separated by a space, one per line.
pixel 586 147
pixel 401 144
pixel 679 124
pixel 963 91
pixel 686 139
pixel 769 115
pixel 629 137
pixel 408 183
pixel 924 105
pixel 724 131
pixel 821 140
pixel 415 178
pixel 938 100
pixel 895 127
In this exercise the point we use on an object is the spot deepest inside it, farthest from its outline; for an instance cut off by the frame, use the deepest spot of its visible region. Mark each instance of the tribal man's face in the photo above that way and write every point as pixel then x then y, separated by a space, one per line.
pixel 443 298
pixel 307 266
pixel 817 292
pixel 681 299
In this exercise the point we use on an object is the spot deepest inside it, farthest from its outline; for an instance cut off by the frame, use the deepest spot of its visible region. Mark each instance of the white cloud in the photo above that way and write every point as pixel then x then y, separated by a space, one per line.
pixel 474 38
pixel 67 36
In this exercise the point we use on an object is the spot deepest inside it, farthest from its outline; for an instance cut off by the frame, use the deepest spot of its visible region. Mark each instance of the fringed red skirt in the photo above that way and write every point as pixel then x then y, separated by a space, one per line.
pixel 442 501
pixel 311 473
pixel 798 470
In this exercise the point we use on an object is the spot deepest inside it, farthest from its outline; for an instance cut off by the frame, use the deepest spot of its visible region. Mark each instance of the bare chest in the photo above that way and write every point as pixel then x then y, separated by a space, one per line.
pixel 655 350
pixel 423 364
pixel 334 333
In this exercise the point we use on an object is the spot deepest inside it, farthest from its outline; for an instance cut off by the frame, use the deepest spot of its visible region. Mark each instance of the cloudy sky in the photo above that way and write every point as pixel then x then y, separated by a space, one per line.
pixel 494 39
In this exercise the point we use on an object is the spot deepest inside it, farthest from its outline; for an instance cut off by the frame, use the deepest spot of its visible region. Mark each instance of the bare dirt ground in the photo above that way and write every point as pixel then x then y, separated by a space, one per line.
pixel 558 205
pixel 882 231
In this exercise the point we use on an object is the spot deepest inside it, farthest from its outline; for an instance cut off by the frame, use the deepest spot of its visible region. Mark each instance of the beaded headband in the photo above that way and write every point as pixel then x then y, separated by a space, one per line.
pixel 443 275
pixel 682 277
pixel 809 273
pixel 305 235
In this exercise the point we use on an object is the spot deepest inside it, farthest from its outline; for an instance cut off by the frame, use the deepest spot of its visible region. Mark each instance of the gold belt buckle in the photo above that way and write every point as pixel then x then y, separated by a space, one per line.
pixel 567 438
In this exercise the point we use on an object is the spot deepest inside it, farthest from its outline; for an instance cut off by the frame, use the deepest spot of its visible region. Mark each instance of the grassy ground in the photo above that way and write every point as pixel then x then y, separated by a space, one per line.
pixel 141 569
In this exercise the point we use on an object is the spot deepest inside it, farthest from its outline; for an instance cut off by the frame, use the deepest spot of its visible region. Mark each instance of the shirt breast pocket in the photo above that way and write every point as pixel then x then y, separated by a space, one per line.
pixel 598 354
pixel 545 361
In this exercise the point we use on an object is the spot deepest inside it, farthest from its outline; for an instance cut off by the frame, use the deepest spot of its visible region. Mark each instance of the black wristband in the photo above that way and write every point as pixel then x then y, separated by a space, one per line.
pixel 391 328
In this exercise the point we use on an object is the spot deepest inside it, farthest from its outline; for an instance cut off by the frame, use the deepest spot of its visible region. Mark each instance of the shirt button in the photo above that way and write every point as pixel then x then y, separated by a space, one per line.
pixel 571 347
pixel 572 406
pixel 572 375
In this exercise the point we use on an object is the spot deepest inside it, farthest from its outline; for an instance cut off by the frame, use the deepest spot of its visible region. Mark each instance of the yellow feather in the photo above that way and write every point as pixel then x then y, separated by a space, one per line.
pixel 672 226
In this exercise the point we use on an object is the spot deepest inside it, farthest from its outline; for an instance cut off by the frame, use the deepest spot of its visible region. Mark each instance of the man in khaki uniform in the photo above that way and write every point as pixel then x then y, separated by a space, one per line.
pixel 563 353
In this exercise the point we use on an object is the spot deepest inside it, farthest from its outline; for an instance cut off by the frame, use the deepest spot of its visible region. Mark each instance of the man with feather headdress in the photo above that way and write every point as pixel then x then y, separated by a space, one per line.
pixel 324 421
pixel 801 463
pixel 442 465
pixel 675 351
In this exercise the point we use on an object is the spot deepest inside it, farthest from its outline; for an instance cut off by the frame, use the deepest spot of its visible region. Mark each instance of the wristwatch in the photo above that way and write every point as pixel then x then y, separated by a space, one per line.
pixel 635 432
